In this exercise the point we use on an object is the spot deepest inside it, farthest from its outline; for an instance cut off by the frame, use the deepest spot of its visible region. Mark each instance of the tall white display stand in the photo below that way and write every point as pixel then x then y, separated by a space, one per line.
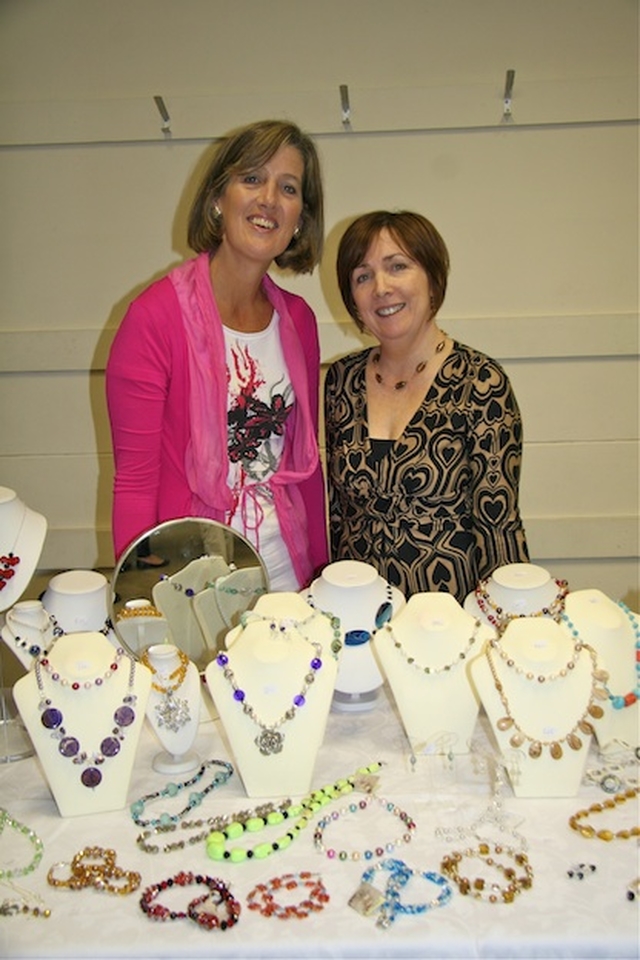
pixel 425 653
pixel 81 704
pixel 173 708
pixel 548 691
pixel 363 601
pixel 79 601
pixel 257 686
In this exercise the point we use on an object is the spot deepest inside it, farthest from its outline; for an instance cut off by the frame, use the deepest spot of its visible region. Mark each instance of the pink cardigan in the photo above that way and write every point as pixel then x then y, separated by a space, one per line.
pixel 151 406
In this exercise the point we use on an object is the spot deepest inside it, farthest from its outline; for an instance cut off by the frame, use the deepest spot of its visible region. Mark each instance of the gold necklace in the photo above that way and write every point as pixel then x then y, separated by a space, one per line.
pixel 401 384
pixel 586 830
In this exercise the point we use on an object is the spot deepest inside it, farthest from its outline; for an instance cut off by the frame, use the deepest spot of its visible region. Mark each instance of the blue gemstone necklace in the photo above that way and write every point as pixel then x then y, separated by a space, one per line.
pixel 68 745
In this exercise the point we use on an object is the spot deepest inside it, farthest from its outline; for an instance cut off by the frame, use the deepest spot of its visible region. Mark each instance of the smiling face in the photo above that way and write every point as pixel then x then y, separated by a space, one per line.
pixel 391 291
pixel 262 207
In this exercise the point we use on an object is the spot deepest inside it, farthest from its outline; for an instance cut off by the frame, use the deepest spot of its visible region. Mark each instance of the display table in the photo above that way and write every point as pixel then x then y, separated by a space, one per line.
pixel 558 916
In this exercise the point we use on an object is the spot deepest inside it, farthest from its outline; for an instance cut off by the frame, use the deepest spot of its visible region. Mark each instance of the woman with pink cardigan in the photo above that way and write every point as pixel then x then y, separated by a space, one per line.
pixel 213 375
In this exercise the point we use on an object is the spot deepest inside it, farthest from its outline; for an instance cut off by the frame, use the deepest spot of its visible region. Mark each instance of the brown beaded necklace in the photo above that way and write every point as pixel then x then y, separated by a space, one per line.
pixel 401 384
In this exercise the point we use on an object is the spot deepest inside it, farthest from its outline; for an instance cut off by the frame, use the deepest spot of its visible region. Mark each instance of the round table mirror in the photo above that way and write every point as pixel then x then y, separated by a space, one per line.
pixel 185 582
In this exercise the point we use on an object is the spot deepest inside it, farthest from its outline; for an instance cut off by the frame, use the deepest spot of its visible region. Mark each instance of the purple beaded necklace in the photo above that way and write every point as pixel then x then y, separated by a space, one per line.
pixel 69 746
pixel 270 740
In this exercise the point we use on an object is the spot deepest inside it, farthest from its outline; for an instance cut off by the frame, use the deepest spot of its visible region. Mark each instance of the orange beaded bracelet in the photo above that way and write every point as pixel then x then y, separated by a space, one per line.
pixel 262 898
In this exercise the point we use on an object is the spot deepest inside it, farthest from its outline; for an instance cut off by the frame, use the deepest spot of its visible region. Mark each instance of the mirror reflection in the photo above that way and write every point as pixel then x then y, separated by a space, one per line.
pixel 185 582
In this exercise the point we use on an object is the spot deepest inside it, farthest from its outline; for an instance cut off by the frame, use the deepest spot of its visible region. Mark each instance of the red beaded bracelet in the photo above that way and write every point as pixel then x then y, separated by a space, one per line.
pixel 262 899
pixel 218 895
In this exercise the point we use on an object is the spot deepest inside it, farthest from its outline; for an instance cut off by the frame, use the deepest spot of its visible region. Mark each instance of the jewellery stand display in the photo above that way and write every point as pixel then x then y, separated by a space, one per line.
pixel 272 689
pixel 84 707
pixel 78 600
pixel 363 601
pixel 173 707
pixel 614 632
pixel 173 596
pixel 139 624
pixel 517 590
pixel 425 652
pixel 220 605
pixel 542 695
pixel 29 631
pixel 22 536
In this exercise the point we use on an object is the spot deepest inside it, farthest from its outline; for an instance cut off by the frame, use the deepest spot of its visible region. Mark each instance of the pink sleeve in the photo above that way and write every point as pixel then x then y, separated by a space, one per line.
pixel 137 383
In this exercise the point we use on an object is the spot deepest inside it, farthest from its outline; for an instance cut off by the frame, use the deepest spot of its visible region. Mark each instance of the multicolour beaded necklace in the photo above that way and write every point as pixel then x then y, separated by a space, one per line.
pixel 69 746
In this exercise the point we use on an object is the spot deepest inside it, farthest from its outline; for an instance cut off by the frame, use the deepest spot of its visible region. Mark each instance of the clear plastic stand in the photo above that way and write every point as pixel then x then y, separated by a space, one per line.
pixel 15 743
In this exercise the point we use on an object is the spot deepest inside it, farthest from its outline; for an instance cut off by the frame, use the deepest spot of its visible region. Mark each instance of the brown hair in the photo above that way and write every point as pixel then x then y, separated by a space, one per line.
pixel 414 233
pixel 248 148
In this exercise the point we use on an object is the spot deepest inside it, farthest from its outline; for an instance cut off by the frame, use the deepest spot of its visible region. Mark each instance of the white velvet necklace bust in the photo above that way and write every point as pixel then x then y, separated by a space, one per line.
pixel 269 659
pixel 81 684
pixel 425 653
pixel 547 711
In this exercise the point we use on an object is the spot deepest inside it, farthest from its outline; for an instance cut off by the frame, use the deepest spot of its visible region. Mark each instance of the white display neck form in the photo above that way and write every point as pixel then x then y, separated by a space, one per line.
pixel 519 590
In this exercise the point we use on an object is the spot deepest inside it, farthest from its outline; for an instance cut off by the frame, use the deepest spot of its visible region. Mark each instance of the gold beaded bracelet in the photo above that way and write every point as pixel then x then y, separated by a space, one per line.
pixel 482 889
pixel 95 867
pixel 590 833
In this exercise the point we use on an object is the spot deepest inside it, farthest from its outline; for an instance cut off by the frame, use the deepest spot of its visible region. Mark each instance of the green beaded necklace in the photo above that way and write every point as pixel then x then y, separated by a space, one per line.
pixel 302 812
pixel 38 847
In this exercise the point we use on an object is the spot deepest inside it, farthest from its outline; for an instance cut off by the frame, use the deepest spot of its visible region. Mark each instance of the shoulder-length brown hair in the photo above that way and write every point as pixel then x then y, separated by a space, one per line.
pixel 243 150
pixel 414 233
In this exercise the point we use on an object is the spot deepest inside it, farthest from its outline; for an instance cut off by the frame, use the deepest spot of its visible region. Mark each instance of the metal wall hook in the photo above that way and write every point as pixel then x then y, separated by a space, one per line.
pixel 164 113
pixel 345 105
pixel 508 93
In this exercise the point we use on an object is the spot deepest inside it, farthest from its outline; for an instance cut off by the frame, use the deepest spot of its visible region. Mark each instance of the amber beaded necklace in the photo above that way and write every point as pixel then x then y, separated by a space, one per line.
pixel 583 725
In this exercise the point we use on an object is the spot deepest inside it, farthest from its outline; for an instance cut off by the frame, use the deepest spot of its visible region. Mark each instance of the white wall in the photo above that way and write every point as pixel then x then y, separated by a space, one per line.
pixel 540 215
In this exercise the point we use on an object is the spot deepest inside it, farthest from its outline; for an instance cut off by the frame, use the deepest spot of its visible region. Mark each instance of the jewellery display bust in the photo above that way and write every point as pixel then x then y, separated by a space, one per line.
pixel 614 632
pixel 22 535
pixel 78 599
pixel 174 596
pixel 29 631
pixel 173 707
pixel 547 695
pixel 362 600
pixel 425 652
pixel 272 689
pixel 517 590
pixel 85 698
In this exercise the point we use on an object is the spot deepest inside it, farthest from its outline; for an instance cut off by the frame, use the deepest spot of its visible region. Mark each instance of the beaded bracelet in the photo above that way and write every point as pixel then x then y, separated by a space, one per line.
pixel 95 867
pixel 262 897
pixel 611 803
pixel 367 898
pixel 478 887
pixel 38 847
pixel 355 807
pixel 218 895
pixel 304 810
pixel 173 789
pixel 21 903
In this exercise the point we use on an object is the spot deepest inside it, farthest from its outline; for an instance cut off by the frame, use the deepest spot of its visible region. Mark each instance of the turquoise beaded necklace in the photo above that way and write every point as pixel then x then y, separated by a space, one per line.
pixel 620 701
pixel 173 789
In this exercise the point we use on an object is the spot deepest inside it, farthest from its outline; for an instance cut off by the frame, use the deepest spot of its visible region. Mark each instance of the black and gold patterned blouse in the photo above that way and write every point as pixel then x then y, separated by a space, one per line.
pixel 437 509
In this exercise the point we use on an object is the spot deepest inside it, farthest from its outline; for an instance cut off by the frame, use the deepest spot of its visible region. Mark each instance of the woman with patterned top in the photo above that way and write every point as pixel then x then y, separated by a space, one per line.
pixel 423 434
pixel 213 376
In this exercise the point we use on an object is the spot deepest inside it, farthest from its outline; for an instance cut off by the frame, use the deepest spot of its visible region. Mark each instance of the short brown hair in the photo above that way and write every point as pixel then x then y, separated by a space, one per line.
pixel 245 149
pixel 414 233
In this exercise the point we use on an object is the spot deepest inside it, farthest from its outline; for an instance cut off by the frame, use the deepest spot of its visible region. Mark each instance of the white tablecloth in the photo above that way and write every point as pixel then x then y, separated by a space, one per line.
pixel 557 917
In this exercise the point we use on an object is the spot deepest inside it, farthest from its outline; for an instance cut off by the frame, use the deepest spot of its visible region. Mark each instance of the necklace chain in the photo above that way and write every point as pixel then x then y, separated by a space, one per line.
pixel 461 656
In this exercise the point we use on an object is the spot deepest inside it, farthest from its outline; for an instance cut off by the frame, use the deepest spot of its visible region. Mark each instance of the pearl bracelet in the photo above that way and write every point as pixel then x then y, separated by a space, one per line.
pixel 355 807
